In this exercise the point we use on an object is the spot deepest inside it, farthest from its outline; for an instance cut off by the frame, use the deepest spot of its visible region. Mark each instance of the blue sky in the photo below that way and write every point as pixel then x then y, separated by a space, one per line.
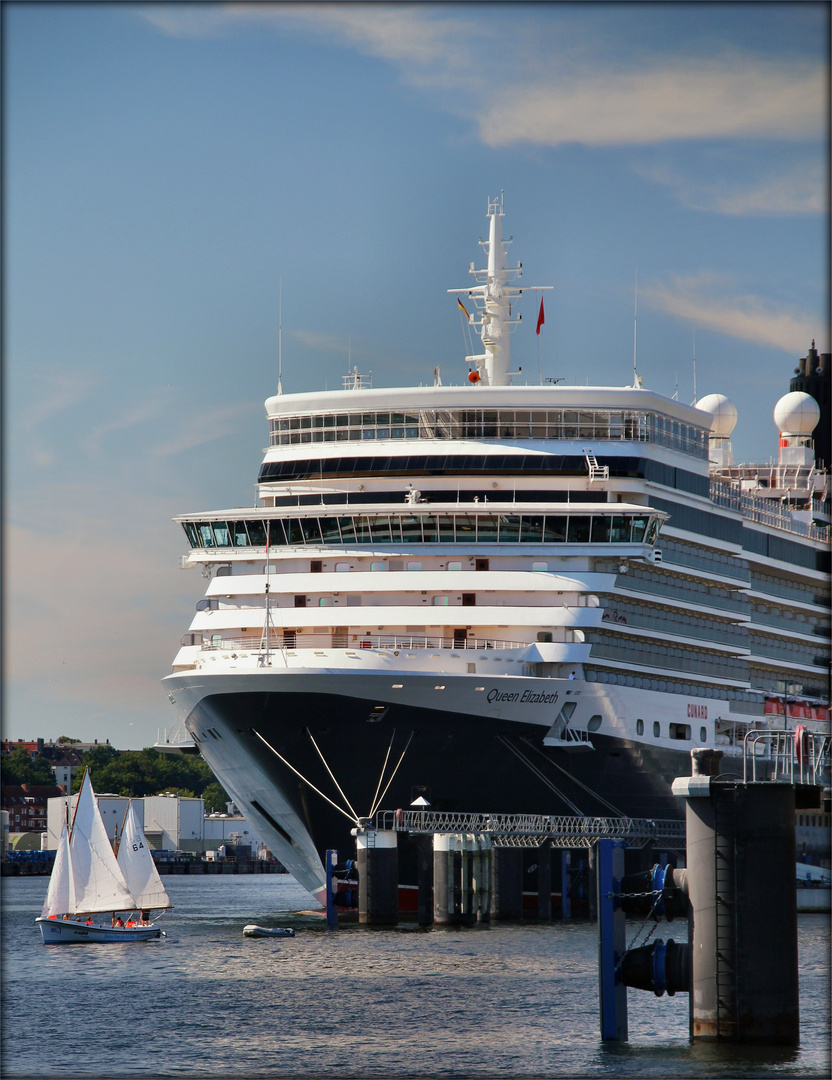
pixel 167 167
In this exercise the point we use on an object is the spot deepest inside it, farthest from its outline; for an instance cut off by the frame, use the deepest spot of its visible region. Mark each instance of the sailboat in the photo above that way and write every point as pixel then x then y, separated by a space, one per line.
pixel 89 880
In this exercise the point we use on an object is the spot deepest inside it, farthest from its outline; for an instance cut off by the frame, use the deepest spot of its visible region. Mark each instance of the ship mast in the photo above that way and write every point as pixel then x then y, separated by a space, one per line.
pixel 492 296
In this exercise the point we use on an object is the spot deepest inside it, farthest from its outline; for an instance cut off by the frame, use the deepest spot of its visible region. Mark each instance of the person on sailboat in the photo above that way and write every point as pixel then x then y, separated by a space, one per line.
pixel 119 921
pixel 145 918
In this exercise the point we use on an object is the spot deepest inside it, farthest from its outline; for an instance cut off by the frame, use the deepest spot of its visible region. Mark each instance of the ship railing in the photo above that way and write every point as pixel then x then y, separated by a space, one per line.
pixel 530 830
pixel 789 755
pixel 765 511
pixel 354 642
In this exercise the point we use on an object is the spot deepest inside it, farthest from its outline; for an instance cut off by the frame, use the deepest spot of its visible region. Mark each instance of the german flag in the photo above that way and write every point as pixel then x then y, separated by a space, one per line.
pixel 462 308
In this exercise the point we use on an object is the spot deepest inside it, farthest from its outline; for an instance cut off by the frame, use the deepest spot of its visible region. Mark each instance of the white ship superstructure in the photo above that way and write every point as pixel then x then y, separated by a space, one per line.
pixel 517 598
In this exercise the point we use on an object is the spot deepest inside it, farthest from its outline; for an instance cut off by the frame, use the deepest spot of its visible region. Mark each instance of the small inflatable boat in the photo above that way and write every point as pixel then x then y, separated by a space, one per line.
pixel 268 931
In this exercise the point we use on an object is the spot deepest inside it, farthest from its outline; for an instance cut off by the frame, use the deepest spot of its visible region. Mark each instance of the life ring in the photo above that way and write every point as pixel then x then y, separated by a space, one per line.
pixel 473 376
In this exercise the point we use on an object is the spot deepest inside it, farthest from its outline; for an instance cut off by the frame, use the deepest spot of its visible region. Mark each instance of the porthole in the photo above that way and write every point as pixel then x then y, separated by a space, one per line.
pixel 594 723
pixel 657 729
pixel 639 727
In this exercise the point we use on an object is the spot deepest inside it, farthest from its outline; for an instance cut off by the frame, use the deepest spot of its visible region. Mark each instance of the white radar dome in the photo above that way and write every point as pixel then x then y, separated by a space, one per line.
pixel 796 414
pixel 724 412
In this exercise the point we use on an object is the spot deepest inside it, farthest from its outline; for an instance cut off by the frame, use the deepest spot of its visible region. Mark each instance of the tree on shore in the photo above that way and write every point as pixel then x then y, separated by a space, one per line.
pixel 148 772
pixel 19 768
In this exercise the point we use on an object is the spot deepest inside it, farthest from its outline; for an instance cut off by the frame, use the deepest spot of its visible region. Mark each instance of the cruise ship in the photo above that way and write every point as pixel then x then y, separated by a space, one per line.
pixel 500 597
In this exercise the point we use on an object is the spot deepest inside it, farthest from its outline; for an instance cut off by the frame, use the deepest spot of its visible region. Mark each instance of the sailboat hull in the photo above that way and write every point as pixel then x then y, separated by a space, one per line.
pixel 69 932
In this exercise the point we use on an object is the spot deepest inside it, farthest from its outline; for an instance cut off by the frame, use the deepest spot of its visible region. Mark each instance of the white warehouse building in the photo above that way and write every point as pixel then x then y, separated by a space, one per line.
pixel 170 822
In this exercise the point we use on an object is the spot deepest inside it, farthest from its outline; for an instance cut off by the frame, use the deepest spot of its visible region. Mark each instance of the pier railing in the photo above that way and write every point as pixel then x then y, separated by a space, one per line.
pixel 794 756
pixel 530 830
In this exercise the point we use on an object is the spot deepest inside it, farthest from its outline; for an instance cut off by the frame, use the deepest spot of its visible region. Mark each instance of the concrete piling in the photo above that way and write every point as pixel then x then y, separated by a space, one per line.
pixel 378 876
pixel 506 883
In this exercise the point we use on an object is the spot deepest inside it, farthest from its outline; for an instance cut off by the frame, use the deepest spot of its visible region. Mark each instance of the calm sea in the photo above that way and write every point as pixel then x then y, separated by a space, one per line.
pixel 488 1001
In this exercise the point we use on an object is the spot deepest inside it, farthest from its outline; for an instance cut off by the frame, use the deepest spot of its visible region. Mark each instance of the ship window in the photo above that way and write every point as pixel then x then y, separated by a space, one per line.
pixel 257 533
pixel 620 531
pixel 639 727
pixel 414 566
pixel 330 533
pixel 340 567
pixel 362 530
pixel 294 534
pixel 531 530
pixel 509 528
pixel 578 529
pixel 429 535
pixel 487 530
pixel 466 528
pixel 412 532
pixel 594 722
pixel 378 566
pixel 600 529
pixel 192 534
pixel 326 601
pixel 347 530
pixel 469 599
pixel 311 530
pixel 540 566
pixel 652 531
pixel 481 564
pixel 206 534
pixel 554 531
pixel 657 728
pixel 300 601
pixel 454 565
pixel 703 734
pixel 221 534
pixel 446 528
pixel 679 731
pixel 440 601
pixel 380 527
pixel 238 534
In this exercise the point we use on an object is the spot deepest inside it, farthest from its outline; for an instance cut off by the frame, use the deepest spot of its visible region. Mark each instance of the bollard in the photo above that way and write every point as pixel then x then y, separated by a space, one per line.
pixel 506 883
pixel 378 876
pixel 544 881
pixel 742 887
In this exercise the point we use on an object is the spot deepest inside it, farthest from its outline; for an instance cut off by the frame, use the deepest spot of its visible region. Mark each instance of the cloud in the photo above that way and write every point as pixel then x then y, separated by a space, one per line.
pixel 57 389
pixel 141 413
pixel 735 97
pixel 551 81
pixel 801 189
pixel 703 299
pixel 195 430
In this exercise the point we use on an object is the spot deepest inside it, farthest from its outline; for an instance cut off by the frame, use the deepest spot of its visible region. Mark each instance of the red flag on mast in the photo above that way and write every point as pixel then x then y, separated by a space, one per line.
pixel 540 318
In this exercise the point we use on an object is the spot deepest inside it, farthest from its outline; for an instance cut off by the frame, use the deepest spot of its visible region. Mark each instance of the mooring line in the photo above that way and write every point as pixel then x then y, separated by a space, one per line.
pixel 575 780
pixel 289 765
pixel 390 781
pixel 544 779
pixel 323 759
pixel 383 767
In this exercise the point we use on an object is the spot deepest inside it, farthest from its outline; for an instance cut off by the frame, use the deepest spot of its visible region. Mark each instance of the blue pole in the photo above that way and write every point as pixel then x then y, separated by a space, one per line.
pixel 612 940
pixel 331 909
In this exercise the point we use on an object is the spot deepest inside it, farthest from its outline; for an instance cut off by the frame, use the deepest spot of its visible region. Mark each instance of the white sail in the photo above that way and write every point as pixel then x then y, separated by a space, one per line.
pixel 137 865
pixel 97 882
pixel 59 899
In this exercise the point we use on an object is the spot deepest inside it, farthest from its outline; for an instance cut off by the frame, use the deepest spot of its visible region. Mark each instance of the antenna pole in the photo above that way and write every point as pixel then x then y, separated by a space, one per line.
pixel 280 339
pixel 635 333
pixel 694 368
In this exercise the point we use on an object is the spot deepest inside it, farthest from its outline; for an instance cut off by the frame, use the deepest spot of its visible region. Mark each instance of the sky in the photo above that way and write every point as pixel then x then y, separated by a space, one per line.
pixel 176 176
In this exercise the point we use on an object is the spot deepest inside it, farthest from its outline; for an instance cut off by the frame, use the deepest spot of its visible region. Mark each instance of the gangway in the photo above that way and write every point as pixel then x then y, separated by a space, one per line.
pixel 531 830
